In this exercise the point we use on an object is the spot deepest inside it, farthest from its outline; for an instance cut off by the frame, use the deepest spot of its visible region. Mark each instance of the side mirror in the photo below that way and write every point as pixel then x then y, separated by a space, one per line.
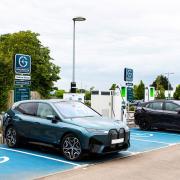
pixel 52 118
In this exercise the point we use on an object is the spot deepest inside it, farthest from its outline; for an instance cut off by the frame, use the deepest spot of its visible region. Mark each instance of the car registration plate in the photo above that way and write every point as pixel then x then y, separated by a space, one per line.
pixel 117 141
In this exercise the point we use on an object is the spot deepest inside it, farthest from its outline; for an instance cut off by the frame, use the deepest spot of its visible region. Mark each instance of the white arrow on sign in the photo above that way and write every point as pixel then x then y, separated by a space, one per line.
pixel 21 77
pixel 4 159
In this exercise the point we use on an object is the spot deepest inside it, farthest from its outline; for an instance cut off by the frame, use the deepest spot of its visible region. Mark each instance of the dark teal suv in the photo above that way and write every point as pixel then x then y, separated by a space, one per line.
pixel 70 126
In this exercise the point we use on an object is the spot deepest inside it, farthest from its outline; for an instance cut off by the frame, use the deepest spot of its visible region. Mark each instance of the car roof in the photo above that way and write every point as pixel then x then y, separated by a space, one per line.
pixel 165 100
pixel 40 100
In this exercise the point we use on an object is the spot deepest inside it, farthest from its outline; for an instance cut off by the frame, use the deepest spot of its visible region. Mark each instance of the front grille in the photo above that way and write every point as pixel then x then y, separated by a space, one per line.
pixel 113 134
pixel 121 133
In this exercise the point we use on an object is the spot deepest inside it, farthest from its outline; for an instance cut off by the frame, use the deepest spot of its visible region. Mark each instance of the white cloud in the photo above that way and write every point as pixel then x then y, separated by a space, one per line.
pixel 144 35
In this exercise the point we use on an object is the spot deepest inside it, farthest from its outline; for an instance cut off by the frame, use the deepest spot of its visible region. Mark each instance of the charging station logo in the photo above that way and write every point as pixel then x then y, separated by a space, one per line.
pixel 4 159
pixel 22 64
pixel 23 61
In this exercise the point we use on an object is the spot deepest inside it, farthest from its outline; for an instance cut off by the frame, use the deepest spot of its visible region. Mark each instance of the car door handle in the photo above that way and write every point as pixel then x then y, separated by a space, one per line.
pixel 37 123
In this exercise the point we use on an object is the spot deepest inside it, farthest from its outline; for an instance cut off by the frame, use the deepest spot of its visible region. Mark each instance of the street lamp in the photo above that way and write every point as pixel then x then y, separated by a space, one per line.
pixel 169 84
pixel 73 83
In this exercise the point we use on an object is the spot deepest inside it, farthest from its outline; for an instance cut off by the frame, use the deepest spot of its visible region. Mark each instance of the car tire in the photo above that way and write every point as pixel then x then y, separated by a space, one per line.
pixel 71 147
pixel 144 125
pixel 11 137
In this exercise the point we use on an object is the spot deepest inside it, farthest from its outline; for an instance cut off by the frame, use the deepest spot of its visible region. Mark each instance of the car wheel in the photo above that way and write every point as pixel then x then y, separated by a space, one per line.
pixel 11 137
pixel 144 125
pixel 71 147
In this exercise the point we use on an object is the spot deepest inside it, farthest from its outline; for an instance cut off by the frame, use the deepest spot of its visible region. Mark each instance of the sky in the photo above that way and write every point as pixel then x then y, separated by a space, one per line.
pixel 139 34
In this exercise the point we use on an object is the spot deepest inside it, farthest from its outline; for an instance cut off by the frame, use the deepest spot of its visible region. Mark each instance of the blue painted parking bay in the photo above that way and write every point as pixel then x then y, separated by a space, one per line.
pixel 29 163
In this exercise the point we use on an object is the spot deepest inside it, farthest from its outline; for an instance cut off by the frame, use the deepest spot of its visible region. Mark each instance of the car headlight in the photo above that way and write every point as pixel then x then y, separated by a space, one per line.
pixel 97 131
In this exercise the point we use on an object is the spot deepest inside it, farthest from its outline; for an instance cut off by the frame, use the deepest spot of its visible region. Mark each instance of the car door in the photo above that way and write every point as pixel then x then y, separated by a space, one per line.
pixel 154 113
pixel 171 115
pixel 45 130
pixel 26 113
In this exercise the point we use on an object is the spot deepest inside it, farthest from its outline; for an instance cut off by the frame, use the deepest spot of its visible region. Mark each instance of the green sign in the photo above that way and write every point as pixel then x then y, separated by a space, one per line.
pixel 123 91
pixel 152 91
pixel 21 94
pixel 130 96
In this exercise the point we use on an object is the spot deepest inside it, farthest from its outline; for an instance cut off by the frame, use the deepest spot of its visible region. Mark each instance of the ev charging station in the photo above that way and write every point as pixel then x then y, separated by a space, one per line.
pixel 149 93
pixel 74 96
pixel 114 104
pixel 111 104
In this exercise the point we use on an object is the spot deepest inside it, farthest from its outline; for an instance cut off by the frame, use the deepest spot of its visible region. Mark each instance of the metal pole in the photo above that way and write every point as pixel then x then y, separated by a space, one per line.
pixel 73 75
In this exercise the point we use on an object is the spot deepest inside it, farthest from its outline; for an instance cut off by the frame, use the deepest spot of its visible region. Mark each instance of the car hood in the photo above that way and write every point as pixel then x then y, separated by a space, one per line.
pixel 96 123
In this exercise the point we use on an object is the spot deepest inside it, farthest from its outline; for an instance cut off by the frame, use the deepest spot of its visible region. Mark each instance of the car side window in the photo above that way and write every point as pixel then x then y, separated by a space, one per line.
pixel 45 110
pixel 171 106
pixel 29 108
pixel 156 105
pixel 147 105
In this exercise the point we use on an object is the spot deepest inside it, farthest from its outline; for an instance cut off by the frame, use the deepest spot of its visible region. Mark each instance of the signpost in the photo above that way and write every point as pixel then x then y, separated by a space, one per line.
pixel 128 74
pixel 128 78
pixel 22 82
pixel 21 94
pixel 129 94
pixel 22 64
pixel 22 70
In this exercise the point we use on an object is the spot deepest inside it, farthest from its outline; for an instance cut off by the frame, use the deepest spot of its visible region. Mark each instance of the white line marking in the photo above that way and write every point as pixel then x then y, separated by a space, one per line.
pixel 155 132
pixel 4 159
pixel 45 157
pixel 150 141
pixel 142 135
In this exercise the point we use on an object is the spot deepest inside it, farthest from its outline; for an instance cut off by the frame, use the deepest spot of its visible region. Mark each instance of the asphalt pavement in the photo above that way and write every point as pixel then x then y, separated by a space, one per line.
pixel 162 164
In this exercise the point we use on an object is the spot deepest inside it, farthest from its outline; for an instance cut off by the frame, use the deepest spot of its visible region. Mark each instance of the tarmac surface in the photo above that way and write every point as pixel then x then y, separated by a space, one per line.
pixel 32 161
pixel 162 164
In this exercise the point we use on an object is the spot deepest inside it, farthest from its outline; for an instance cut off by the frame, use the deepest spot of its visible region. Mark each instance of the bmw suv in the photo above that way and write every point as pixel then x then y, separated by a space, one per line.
pixel 70 126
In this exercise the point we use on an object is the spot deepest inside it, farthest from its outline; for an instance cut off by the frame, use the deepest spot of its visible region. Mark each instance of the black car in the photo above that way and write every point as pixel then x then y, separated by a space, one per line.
pixel 70 126
pixel 161 114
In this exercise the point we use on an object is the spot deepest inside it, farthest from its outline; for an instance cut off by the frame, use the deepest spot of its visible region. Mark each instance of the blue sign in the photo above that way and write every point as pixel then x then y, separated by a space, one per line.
pixel 130 96
pixel 128 74
pixel 21 94
pixel 22 64
pixel 22 82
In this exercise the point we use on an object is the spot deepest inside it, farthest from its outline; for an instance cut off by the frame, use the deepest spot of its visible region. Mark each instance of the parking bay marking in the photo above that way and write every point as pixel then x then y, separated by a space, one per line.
pixel 151 141
pixel 142 135
pixel 41 156
pixel 4 159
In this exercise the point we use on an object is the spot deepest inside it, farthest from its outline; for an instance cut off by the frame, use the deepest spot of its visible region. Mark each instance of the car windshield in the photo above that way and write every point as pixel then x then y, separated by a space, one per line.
pixel 73 109
pixel 177 102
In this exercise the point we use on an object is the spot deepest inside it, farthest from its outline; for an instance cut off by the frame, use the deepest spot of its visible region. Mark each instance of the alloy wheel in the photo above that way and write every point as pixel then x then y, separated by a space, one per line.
pixel 144 125
pixel 11 137
pixel 71 148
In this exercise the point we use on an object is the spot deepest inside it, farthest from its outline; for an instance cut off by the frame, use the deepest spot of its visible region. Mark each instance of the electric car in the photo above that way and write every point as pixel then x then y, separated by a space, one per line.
pixel 161 114
pixel 71 126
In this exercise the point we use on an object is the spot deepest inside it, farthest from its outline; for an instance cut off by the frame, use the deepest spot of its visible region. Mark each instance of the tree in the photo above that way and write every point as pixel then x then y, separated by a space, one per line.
pixel 44 72
pixel 160 92
pixel 113 87
pixel 139 91
pixel 163 81
pixel 59 93
pixel 177 93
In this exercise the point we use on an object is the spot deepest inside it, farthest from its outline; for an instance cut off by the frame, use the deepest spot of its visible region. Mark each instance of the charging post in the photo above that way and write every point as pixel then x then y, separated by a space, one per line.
pixel 128 78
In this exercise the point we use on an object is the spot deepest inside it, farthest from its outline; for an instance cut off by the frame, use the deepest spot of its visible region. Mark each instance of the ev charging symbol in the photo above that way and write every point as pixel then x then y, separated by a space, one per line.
pixel 130 73
pixel 4 159
pixel 23 61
